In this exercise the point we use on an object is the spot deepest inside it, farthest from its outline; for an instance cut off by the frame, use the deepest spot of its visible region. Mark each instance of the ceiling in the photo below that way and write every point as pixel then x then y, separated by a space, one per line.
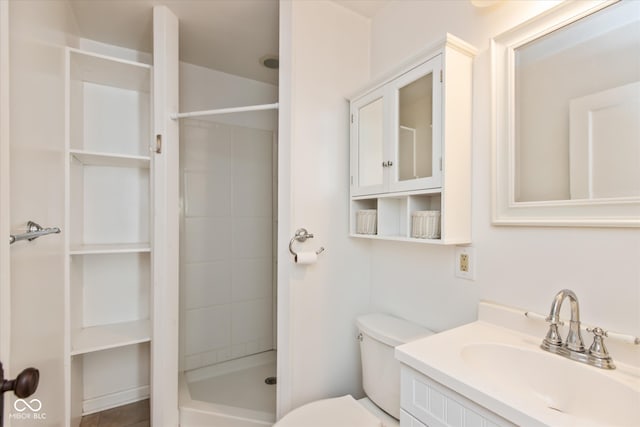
pixel 226 35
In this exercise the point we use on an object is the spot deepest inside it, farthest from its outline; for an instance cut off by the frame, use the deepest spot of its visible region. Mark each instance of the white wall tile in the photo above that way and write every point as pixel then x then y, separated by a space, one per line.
pixel 251 320
pixel 238 350
pixel 209 358
pixel 252 237
pixel 224 354
pixel 207 284
pixel 192 362
pixel 207 194
pixel 207 239
pixel 252 173
pixel 207 329
pixel 205 146
pixel 252 278
pixel 227 179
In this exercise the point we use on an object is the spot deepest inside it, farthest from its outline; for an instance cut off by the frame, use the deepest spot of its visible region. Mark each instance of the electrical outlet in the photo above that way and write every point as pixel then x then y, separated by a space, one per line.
pixel 465 262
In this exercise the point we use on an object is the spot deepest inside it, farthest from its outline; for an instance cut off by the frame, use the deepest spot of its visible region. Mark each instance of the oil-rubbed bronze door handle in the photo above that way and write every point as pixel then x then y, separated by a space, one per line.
pixel 25 384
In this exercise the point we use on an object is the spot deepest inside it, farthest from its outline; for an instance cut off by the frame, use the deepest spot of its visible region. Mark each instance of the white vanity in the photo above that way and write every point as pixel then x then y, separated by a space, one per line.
pixel 492 372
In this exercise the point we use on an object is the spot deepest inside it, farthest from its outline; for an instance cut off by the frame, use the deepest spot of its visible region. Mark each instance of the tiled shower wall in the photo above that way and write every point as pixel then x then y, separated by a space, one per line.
pixel 226 253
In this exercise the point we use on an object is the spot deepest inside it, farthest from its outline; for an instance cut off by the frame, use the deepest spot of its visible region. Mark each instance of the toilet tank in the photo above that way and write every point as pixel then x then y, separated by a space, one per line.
pixel 380 334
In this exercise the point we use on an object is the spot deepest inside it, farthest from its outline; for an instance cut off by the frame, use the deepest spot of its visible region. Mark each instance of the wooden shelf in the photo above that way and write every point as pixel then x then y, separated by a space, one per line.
pixel 97 338
pixel 110 248
pixel 109 71
pixel 108 159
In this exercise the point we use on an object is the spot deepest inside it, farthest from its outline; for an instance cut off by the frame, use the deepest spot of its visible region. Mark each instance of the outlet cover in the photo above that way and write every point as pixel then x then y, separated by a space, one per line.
pixel 465 262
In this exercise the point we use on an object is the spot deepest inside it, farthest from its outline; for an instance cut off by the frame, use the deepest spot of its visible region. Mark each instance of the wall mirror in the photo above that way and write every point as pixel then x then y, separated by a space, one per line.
pixel 566 106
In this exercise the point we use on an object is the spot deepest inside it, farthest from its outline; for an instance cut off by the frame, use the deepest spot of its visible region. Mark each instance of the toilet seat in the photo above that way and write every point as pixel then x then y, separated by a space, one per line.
pixel 342 411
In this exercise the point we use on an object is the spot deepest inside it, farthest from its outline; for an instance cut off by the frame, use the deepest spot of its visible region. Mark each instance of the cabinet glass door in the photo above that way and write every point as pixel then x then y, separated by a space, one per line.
pixel 417 129
pixel 368 113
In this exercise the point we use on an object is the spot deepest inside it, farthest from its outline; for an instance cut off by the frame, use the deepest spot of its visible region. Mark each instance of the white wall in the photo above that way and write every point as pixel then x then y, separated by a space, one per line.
pixel 323 59
pixel 518 266
pixel 39 31
pixel 205 89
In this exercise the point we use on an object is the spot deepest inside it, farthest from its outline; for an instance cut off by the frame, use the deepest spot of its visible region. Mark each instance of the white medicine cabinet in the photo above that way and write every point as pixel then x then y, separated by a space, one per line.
pixel 394 130
pixel 411 149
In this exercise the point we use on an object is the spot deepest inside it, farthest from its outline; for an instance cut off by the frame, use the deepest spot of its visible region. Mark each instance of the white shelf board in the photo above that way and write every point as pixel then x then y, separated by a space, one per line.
pixel 109 71
pixel 109 248
pixel 108 159
pixel 399 239
pixel 97 338
pixel 427 192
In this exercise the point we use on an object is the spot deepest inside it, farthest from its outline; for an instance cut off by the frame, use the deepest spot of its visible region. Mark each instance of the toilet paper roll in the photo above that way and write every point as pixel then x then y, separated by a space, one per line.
pixel 306 258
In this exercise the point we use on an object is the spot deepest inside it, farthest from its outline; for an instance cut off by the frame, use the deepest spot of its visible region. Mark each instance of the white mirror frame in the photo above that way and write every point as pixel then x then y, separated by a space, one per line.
pixel 506 211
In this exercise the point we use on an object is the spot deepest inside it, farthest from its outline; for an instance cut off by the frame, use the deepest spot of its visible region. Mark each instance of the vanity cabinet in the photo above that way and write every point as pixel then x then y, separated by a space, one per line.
pixel 424 402
pixel 411 147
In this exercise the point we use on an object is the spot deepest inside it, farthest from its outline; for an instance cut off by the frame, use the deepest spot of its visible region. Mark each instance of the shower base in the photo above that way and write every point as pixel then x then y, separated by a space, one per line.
pixel 232 394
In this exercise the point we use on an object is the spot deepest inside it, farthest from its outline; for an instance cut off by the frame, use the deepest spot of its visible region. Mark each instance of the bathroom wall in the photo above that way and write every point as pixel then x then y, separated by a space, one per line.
pixel 324 58
pixel 227 239
pixel 39 32
pixel 517 266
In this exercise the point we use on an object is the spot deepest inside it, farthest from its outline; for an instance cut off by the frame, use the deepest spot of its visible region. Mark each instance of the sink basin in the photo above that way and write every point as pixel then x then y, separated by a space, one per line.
pixel 506 372
pixel 560 384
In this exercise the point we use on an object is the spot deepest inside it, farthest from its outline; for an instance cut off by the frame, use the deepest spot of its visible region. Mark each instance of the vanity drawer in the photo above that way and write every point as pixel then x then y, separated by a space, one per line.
pixel 434 405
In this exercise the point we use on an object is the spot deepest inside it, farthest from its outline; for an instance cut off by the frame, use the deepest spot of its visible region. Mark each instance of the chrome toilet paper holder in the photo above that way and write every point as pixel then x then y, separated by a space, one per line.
pixel 301 236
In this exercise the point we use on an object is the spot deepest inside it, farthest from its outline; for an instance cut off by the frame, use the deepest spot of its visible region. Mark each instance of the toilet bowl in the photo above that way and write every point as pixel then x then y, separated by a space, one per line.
pixel 379 335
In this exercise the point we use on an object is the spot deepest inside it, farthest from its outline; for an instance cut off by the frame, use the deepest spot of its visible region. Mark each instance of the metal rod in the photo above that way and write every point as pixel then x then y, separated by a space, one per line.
pixel 34 231
pixel 225 111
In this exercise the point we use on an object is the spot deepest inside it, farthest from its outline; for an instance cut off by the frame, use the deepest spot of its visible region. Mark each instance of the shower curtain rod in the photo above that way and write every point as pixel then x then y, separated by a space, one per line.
pixel 225 111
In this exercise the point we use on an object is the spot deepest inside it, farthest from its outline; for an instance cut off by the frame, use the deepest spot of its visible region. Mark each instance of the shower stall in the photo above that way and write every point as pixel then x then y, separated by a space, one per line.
pixel 228 168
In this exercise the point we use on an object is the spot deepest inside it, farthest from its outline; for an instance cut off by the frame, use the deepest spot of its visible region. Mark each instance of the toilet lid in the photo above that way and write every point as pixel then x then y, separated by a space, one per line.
pixel 337 412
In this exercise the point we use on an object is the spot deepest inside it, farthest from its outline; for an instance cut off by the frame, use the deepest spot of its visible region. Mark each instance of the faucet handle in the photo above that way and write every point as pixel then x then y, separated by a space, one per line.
pixel 598 348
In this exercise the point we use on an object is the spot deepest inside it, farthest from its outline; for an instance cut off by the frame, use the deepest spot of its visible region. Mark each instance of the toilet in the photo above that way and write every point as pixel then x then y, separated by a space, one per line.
pixel 379 335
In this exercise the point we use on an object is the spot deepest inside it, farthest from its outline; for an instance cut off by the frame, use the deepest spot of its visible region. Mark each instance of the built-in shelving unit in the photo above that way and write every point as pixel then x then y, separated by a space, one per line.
pixel 108 286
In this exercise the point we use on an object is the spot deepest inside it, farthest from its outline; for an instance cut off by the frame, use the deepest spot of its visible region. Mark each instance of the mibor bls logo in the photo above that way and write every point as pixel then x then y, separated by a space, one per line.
pixel 28 410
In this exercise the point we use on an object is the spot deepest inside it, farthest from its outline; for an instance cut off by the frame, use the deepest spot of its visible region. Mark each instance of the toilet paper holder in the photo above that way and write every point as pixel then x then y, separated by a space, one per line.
pixel 301 236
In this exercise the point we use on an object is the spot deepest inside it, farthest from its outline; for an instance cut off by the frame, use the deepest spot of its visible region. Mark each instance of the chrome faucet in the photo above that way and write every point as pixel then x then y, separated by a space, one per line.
pixel 573 347
pixel 574 339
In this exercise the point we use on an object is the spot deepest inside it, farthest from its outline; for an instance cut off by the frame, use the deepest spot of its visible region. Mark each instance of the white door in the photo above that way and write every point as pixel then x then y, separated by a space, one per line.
pixel 604 154
pixel 5 303
pixel 164 342
pixel 32 188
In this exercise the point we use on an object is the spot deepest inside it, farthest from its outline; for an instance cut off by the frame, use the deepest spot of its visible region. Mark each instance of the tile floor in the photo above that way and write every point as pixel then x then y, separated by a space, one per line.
pixel 132 415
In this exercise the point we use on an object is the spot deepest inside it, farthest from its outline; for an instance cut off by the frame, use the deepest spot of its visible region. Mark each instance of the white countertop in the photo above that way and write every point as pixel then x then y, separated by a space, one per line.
pixel 529 386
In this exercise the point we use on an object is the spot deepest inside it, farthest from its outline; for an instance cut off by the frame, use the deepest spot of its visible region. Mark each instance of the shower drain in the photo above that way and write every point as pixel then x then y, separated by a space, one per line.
pixel 270 380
